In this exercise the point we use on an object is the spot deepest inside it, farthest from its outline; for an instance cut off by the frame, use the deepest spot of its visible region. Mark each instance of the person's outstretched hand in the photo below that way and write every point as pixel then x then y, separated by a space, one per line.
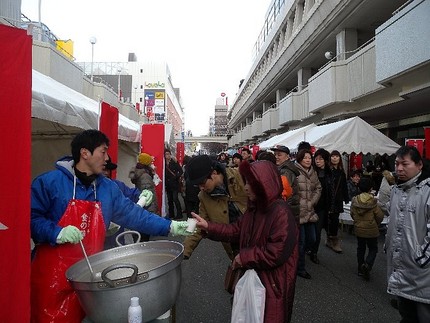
pixel 179 228
pixel 69 234
pixel 201 223
pixel 145 198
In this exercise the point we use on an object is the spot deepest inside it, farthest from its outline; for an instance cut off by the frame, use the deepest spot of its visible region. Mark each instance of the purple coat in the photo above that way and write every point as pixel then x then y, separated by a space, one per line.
pixel 268 234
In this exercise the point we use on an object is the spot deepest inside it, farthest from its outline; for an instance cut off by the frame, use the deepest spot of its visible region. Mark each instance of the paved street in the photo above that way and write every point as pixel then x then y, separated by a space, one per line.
pixel 334 294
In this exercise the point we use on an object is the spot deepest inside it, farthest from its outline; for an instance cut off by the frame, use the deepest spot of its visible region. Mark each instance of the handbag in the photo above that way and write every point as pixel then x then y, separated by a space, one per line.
pixel 232 276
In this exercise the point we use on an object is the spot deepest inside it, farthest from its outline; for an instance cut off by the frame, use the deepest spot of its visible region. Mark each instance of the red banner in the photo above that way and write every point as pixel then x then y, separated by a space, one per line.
pixel 355 162
pixel 15 149
pixel 180 152
pixel 427 142
pixel 255 149
pixel 109 126
pixel 417 143
pixel 153 144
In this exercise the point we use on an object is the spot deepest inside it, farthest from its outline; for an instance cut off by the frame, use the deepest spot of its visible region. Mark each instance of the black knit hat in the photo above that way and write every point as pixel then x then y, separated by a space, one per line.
pixel 199 168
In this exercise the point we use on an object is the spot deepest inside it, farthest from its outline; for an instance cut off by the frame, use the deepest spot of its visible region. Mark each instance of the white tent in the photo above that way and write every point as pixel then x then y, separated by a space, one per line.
pixel 347 136
pixel 56 102
pixel 285 137
pixel 58 113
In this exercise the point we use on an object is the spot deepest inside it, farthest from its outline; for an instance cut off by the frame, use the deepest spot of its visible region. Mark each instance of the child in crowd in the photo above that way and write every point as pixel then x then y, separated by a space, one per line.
pixel 367 216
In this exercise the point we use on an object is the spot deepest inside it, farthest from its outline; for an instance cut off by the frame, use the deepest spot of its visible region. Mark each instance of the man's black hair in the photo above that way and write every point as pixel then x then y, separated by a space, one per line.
pixel 411 151
pixel 89 139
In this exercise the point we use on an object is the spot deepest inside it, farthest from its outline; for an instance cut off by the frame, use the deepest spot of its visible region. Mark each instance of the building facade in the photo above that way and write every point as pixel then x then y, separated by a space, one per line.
pixel 319 61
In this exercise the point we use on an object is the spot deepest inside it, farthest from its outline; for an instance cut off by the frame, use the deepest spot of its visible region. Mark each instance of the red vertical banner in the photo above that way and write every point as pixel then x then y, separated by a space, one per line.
pixel 427 142
pixel 355 162
pixel 15 121
pixel 153 144
pixel 109 126
pixel 180 152
pixel 255 149
pixel 417 143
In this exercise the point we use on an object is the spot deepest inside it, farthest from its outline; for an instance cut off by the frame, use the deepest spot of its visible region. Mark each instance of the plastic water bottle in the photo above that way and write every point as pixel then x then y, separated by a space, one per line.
pixel 134 311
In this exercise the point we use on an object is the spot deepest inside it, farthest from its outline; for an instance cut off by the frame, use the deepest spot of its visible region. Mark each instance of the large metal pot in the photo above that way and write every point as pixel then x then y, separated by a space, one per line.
pixel 149 270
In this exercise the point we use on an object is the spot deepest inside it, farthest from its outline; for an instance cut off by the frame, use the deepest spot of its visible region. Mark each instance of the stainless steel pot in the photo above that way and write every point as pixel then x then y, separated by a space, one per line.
pixel 149 270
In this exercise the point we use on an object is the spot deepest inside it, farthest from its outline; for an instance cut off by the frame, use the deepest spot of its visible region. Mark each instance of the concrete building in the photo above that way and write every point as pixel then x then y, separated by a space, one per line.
pixel 220 119
pixel 146 85
pixel 325 60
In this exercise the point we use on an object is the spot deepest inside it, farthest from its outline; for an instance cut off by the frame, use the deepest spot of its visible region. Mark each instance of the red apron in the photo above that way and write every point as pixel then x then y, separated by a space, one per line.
pixel 52 297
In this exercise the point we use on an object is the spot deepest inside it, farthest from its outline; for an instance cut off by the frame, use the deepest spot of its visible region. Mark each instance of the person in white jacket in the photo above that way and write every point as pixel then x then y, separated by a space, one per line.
pixel 407 242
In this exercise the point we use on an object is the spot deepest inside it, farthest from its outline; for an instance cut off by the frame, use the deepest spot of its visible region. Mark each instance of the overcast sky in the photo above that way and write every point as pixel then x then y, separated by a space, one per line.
pixel 207 44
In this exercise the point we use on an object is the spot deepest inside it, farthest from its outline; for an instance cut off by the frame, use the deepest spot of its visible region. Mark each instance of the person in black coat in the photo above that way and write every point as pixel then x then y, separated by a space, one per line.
pixel 338 193
pixel 172 176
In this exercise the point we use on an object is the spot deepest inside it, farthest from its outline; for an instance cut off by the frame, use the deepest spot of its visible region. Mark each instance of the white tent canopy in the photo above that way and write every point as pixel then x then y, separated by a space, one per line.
pixel 53 101
pixel 282 138
pixel 346 136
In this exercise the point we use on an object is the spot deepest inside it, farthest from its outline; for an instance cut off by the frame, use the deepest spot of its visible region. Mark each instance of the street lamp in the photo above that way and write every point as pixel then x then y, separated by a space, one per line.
pixel 119 83
pixel 93 40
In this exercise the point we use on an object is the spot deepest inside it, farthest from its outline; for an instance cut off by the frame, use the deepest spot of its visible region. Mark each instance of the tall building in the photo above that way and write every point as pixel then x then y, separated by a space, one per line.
pixel 328 60
pixel 220 116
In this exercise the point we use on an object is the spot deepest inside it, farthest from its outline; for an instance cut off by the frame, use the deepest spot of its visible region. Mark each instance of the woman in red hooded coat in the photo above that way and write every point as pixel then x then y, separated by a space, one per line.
pixel 267 233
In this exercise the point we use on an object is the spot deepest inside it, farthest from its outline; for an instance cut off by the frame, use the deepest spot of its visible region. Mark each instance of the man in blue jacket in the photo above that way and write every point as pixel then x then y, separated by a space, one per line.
pixel 75 204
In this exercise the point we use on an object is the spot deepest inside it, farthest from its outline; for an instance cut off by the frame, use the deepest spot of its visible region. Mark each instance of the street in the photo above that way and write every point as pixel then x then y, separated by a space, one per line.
pixel 334 294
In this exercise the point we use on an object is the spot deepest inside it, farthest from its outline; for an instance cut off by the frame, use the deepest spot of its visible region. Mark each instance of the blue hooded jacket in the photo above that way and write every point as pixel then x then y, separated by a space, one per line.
pixel 52 191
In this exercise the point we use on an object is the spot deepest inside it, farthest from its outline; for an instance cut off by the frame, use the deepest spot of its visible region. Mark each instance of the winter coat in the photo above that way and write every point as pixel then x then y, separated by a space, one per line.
pixel 132 193
pixel 290 170
pixel 309 192
pixel 171 178
pixel 142 177
pixel 216 209
pixel 385 190
pixel 337 189
pixel 367 215
pixel 407 242
pixel 322 204
pixel 268 237
pixel 353 189
pixel 52 191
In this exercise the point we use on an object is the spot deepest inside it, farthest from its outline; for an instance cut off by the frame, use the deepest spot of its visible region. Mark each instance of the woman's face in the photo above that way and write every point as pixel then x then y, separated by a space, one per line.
pixel 319 161
pixel 249 192
pixel 335 159
pixel 306 161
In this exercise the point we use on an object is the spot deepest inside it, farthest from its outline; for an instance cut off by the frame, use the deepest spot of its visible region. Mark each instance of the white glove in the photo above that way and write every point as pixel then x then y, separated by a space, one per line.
pixel 145 198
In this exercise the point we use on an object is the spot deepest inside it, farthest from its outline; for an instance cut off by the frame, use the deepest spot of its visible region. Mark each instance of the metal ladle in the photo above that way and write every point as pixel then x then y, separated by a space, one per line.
pixel 94 276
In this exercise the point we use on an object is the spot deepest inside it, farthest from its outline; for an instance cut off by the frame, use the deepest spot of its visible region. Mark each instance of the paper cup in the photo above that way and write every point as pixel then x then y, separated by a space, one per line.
pixel 191 224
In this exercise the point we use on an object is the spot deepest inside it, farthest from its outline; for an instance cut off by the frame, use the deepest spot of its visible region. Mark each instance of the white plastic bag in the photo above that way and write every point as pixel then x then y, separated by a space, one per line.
pixel 249 299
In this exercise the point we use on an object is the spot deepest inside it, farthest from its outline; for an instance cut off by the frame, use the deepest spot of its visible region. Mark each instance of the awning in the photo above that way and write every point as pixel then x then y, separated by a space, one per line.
pixel 56 102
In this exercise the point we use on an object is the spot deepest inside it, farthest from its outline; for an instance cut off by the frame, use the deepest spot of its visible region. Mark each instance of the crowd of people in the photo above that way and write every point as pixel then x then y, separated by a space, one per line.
pixel 269 211
pixel 318 190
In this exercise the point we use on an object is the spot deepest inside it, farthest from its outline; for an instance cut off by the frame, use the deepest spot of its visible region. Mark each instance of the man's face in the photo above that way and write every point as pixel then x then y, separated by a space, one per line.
pixel 406 168
pixel 245 155
pixel 209 184
pixel 281 157
pixel 236 161
pixel 167 156
pixel 95 162
pixel 355 179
